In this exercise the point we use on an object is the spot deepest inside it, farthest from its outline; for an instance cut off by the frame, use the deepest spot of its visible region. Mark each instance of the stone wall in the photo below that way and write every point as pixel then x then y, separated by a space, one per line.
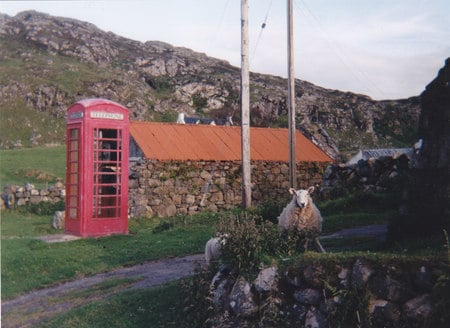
pixel 187 187
pixel 358 293
pixel 372 175
pixel 14 195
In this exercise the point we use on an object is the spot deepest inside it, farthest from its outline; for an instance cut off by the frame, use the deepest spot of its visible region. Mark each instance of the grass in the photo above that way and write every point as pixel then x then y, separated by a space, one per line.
pixel 28 263
pixel 40 165
pixel 23 255
pixel 156 307
pixel 357 210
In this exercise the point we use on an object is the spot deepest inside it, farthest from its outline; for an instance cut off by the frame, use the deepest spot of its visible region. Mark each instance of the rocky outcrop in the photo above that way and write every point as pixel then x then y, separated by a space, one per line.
pixel 427 192
pixel 362 293
pixel 75 60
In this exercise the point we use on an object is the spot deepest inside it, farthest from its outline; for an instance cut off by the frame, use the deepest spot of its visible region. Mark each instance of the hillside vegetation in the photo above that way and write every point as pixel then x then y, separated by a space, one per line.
pixel 48 63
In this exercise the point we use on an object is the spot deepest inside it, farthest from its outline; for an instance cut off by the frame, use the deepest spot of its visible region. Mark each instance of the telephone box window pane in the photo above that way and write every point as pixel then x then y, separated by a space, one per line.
pixel 74 145
pixel 72 213
pixel 107 144
pixel 74 133
pixel 73 168
pixel 73 156
pixel 74 178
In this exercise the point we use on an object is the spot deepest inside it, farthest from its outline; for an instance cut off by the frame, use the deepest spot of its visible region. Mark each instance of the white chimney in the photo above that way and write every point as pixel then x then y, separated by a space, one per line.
pixel 180 119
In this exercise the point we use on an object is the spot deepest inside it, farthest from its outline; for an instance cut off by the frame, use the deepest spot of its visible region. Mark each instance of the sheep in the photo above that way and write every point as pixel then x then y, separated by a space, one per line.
pixel 301 213
pixel 58 219
pixel 212 248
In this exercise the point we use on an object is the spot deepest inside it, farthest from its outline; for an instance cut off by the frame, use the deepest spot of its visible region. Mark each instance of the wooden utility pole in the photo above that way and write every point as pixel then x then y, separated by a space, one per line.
pixel 291 97
pixel 245 109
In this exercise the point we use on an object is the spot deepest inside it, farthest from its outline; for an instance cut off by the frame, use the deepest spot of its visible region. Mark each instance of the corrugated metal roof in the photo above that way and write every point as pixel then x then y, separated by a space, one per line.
pixel 169 141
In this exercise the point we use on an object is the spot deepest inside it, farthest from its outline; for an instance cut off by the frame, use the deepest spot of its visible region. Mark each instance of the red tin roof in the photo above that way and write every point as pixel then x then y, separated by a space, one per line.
pixel 170 141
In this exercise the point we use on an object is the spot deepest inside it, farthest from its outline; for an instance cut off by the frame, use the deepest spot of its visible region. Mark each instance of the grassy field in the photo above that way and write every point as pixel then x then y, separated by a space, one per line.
pixel 23 255
pixel 156 307
pixel 28 263
pixel 40 166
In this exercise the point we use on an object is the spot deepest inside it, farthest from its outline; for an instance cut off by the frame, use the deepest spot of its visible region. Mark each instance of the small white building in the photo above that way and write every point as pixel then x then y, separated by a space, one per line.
pixel 365 154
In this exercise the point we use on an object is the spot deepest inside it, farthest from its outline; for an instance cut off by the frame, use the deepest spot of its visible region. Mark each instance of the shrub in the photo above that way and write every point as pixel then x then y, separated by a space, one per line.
pixel 270 210
pixel 253 241
pixel 243 247
pixel 197 303
pixel 46 208
pixel 163 226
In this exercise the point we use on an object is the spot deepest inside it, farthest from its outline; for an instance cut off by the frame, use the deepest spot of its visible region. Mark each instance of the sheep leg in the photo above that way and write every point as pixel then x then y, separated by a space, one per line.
pixel 319 245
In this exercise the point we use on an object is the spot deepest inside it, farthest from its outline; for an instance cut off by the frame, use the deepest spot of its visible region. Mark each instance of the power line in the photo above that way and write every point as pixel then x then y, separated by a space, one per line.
pixel 353 69
pixel 263 26
pixel 219 26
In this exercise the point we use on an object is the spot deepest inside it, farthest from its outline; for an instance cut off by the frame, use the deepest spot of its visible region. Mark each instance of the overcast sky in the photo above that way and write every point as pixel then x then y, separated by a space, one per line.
pixel 383 49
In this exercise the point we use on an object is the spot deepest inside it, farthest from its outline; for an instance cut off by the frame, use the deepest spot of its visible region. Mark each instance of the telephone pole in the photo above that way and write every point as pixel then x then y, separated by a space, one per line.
pixel 291 97
pixel 245 109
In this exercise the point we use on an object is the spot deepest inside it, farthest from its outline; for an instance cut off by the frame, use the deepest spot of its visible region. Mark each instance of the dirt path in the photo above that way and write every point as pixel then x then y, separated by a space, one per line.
pixel 29 309
pixel 37 306
pixel 375 230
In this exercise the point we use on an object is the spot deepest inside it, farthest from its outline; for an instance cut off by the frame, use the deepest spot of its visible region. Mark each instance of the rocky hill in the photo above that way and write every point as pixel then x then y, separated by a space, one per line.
pixel 48 63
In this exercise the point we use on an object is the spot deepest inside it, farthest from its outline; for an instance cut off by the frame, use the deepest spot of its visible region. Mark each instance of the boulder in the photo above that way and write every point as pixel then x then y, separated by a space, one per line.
pixel 241 299
pixel 384 313
pixel 266 280
pixel 360 274
pixel 418 310
pixel 315 319
pixel 308 296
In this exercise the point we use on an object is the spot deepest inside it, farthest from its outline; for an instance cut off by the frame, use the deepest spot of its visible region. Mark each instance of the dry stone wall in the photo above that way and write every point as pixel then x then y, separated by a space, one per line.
pixel 187 187
pixel 165 189
pixel 14 195
pixel 359 293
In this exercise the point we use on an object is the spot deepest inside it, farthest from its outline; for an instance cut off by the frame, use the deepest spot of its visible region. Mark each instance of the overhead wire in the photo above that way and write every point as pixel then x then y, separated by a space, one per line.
pixel 219 26
pixel 334 47
pixel 263 26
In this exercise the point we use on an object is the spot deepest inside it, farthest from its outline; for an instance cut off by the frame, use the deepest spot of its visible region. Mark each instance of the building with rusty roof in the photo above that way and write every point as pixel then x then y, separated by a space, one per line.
pixel 168 141
pixel 189 168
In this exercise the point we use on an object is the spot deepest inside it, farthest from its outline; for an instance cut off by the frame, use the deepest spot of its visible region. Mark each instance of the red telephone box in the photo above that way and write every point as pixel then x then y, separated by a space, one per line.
pixel 97 168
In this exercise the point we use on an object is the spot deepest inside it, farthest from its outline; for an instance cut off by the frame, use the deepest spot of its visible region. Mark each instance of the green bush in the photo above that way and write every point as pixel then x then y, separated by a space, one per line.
pixel 270 210
pixel 45 208
pixel 197 304
pixel 252 242
pixel 243 248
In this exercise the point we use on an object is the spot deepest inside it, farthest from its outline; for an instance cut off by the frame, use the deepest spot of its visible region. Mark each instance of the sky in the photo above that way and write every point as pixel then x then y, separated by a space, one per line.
pixel 386 49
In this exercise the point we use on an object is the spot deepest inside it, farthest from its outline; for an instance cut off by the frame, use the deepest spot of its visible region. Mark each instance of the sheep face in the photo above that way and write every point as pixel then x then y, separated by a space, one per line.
pixel 302 197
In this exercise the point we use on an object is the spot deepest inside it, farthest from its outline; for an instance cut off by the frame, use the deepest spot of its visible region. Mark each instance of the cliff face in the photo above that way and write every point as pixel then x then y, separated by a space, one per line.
pixel 47 63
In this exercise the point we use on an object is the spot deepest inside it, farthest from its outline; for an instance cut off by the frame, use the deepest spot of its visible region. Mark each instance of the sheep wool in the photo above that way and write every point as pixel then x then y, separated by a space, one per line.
pixel 212 248
pixel 301 213
pixel 303 218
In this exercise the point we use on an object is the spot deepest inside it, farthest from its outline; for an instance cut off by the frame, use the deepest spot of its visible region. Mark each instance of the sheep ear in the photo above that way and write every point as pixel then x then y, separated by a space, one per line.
pixel 311 190
pixel 292 191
